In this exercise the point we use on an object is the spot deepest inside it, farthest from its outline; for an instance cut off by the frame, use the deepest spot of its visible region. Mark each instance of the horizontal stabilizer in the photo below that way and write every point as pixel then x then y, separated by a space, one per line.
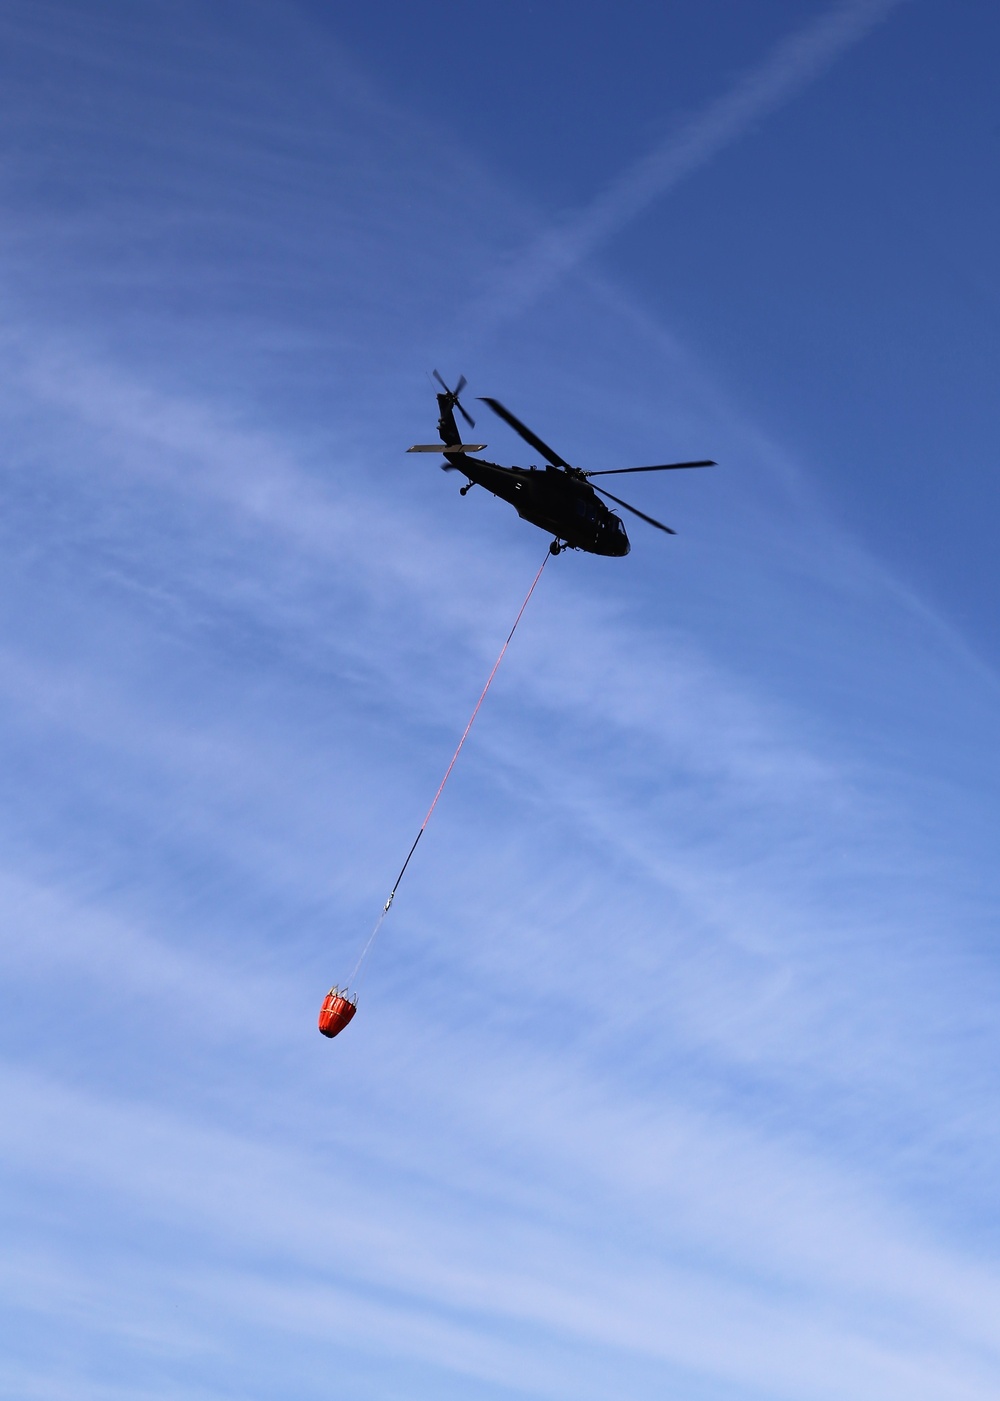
pixel 446 448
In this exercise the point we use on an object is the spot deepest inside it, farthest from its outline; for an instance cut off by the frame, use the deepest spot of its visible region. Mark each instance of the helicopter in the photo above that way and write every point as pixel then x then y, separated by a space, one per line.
pixel 558 498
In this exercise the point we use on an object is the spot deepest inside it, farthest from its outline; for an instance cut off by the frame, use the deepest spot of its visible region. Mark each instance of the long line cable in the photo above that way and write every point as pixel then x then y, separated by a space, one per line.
pixel 465 735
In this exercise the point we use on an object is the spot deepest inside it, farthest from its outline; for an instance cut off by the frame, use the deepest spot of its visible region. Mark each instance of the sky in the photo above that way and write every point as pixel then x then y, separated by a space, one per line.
pixel 676 1069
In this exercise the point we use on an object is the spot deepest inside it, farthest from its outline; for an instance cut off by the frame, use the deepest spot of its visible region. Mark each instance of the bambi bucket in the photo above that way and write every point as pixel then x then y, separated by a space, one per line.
pixel 336 1011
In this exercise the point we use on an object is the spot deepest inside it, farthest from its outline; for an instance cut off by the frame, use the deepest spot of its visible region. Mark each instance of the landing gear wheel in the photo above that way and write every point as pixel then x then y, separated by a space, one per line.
pixel 463 490
pixel 555 548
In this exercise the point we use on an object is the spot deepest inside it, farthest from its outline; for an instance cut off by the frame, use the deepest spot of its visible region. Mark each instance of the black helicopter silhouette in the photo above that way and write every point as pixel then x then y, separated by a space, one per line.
pixel 558 498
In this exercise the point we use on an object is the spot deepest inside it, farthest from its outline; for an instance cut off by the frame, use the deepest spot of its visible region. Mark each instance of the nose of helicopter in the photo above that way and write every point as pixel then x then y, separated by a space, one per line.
pixel 615 541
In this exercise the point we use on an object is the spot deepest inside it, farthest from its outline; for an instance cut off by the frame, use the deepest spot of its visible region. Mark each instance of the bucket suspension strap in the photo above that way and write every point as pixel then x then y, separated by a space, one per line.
pixel 465 734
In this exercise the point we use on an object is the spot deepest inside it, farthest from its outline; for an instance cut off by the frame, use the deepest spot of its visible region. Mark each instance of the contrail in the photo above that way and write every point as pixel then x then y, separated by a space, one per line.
pixel 795 63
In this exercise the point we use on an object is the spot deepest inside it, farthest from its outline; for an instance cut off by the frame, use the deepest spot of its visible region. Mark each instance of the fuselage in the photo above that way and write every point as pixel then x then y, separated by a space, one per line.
pixel 556 500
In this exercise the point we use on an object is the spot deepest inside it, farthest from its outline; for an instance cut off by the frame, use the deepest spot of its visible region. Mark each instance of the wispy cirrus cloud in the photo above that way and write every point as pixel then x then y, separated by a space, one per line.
pixel 796 61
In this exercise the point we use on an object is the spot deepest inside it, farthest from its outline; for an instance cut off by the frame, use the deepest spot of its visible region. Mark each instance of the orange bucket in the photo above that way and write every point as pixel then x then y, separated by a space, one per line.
pixel 336 1011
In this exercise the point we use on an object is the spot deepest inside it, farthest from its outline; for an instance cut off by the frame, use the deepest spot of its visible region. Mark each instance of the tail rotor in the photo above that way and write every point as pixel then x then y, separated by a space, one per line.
pixel 453 397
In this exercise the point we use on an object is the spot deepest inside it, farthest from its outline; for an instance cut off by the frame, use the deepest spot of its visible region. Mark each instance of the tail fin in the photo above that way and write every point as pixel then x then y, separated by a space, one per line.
pixel 450 435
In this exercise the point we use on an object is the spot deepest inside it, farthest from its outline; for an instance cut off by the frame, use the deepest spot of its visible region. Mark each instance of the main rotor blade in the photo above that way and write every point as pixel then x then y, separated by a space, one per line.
pixel 663 467
pixel 531 438
pixel 641 514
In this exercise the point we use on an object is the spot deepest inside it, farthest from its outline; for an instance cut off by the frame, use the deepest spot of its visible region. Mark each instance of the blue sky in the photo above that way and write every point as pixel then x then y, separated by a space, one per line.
pixel 676 1067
